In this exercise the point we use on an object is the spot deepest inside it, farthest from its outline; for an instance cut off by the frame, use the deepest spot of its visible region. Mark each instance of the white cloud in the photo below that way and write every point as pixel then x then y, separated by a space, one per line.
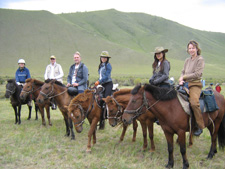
pixel 198 14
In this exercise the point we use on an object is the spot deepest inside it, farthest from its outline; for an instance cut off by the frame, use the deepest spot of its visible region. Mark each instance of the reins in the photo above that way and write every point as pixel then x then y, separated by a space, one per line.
pixel 83 113
pixel 52 91
pixel 139 111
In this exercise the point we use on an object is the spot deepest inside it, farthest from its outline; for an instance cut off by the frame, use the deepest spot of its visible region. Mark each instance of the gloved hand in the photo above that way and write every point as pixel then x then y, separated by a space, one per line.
pixel 150 81
pixel 97 83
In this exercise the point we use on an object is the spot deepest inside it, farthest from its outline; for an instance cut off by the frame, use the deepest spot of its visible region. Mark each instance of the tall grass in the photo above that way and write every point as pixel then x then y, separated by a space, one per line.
pixel 31 145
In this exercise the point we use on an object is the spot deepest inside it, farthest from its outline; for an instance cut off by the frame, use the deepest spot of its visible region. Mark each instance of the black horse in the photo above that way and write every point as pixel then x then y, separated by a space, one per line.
pixel 13 91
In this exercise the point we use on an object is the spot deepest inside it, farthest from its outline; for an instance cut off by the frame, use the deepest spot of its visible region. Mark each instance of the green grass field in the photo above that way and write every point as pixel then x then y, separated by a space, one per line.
pixel 31 145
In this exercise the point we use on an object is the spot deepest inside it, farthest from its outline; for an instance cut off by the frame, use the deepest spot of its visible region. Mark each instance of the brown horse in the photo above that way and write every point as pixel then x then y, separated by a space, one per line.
pixel 115 108
pixel 165 105
pixel 84 106
pixel 33 87
pixel 58 91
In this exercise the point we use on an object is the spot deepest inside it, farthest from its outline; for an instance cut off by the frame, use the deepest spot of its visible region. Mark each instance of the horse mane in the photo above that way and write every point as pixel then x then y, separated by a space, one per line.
pixel 121 92
pixel 136 89
pixel 11 80
pixel 38 82
pixel 82 97
pixel 160 93
pixel 56 82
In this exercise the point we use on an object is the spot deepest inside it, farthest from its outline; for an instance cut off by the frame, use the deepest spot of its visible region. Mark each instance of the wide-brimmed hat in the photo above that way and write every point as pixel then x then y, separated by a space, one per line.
pixel 105 54
pixel 52 57
pixel 160 49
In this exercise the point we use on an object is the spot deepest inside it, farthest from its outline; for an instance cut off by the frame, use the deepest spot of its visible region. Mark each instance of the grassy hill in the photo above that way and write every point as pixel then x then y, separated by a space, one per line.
pixel 129 37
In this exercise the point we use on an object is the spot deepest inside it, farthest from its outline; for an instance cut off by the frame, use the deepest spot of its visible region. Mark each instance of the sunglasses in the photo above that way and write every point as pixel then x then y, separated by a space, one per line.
pixel 52 59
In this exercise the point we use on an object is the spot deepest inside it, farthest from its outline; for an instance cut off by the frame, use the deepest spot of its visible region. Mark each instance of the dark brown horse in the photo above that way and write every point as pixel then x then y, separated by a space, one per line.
pixel 33 87
pixel 164 104
pixel 115 108
pixel 58 91
pixel 84 106
pixel 13 91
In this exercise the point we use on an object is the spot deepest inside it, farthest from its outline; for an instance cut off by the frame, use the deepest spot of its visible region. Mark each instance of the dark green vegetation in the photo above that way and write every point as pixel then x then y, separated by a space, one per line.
pixel 129 37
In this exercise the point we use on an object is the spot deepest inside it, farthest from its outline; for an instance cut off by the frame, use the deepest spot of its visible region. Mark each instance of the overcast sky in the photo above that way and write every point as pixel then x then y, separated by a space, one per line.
pixel 199 14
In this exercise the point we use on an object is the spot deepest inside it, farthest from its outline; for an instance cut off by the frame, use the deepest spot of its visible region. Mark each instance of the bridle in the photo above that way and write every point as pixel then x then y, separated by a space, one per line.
pixel 83 113
pixel 31 91
pixel 11 91
pixel 119 110
pixel 48 95
pixel 139 111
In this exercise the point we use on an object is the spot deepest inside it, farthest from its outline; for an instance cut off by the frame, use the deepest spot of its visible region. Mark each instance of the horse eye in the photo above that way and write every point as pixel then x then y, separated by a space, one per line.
pixel 77 117
pixel 46 88
pixel 133 101
pixel 28 87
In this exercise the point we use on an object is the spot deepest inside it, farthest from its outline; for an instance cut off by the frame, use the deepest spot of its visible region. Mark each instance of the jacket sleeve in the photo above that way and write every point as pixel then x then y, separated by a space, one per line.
pixel 28 74
pixel 85 76
pixel 46 73
pixel 165 74
pixel 106 75
pixel 16 76
pixel 69 77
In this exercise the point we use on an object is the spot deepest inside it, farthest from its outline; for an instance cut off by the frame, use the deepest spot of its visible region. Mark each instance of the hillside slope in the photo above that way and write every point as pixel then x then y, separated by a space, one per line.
pixel 129 37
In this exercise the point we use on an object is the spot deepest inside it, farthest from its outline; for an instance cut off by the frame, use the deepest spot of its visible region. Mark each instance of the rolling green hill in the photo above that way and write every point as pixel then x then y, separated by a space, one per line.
pixel 129 37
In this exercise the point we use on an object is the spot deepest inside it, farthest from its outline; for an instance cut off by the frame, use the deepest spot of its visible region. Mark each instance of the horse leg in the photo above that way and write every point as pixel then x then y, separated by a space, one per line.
pixel 169 138
pixel 71 129
pixel 94 137
pixel 19 113
pixel 135 126
pixel 15 111
pixel 30 109
pixel 41 108
pixel 213 149
pixel 36 110
pixel 190 139
pixel 144 132
pixel 47 108
pixel 151 135
pixel 123 132
pixel 90 133
pixel 182 142
pixel 67 126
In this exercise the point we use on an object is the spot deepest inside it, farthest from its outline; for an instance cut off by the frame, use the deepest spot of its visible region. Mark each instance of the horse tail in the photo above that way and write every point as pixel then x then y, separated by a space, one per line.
pixel 221 134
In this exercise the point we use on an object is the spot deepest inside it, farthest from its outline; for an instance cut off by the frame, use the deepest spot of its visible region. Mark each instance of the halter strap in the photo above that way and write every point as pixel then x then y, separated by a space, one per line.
pixel 83 112
pixel 119 110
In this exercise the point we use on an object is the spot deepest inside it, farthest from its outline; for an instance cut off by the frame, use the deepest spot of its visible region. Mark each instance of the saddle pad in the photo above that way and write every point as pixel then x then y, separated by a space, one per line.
pixel 184 103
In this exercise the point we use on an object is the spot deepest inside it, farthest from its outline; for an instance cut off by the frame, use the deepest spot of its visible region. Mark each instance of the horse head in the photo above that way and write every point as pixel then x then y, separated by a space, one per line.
pixel 79 108
pixel 114 110
pixel 47 90
pixel 10 87
pixel 77 115
pixel 27 89
pixel 135 105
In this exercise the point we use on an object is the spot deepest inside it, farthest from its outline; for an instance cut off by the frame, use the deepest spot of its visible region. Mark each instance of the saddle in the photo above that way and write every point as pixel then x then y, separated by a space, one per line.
pixel 207 100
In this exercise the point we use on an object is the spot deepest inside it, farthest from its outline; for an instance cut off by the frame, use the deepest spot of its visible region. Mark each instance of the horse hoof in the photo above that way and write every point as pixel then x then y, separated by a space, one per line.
pixel 152 150
pixel 50 124
pixel 72 138
pixel 88 150
pixel 28 118
pixel 36 119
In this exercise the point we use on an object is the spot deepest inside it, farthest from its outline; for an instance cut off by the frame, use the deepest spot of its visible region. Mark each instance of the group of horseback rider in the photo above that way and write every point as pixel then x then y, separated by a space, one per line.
pixel 78 76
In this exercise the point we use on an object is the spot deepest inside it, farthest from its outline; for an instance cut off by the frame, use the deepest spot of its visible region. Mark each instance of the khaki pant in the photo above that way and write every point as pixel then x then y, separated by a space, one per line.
pixel 194 93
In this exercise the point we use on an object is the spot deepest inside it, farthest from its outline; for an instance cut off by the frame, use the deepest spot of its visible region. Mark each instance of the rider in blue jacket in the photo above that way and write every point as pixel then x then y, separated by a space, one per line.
pixel 22 72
